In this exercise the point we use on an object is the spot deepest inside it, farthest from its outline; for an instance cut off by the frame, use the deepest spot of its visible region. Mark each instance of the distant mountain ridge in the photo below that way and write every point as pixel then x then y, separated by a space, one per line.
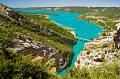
pixel 100 11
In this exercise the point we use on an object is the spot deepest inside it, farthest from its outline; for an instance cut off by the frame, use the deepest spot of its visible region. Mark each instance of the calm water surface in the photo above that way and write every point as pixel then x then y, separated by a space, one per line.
pixel 83 29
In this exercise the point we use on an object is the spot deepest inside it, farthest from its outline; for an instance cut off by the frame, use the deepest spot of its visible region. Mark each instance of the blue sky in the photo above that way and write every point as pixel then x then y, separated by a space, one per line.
pixel 60 3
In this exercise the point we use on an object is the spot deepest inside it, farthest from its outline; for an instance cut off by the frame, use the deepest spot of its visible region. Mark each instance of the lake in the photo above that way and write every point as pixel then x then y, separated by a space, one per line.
pixel 82 29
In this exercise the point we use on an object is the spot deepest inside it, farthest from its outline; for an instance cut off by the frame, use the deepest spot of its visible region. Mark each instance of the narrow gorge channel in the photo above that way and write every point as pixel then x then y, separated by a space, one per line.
pixel 82 29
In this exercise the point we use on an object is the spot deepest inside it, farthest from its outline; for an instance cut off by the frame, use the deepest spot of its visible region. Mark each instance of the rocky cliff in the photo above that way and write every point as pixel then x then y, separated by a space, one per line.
pixel 100 51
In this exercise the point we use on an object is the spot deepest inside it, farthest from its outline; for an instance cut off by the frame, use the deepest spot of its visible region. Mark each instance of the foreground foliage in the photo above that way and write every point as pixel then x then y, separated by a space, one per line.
pixel 17 67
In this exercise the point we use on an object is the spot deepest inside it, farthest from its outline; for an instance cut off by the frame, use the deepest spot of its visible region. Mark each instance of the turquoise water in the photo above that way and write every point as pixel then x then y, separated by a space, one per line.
pixel 83 29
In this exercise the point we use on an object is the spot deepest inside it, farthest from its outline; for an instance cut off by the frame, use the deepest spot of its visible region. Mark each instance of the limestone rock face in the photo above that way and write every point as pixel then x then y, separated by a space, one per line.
pixel 12 15
pixel 4 9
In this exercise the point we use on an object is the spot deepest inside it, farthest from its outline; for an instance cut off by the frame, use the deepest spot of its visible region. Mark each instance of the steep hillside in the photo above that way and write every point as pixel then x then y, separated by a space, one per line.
pixel 22 34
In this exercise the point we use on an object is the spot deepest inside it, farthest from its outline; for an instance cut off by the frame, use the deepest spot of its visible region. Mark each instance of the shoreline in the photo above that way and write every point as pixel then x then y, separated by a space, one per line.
pixel 68 29
pixel 72 32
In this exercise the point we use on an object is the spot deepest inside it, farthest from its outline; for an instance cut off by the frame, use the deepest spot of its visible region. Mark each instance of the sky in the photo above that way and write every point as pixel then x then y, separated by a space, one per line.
pixel 60 3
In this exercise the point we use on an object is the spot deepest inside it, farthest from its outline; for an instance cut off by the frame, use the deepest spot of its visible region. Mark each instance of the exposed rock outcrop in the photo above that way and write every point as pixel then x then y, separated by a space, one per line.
pixel 5 10
pixel 97 52
pixel 13 16
pixel 28 46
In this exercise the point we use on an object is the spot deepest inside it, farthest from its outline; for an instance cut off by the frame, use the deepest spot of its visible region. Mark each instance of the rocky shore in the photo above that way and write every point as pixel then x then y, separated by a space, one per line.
pixel 97 52
pixel 72 32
